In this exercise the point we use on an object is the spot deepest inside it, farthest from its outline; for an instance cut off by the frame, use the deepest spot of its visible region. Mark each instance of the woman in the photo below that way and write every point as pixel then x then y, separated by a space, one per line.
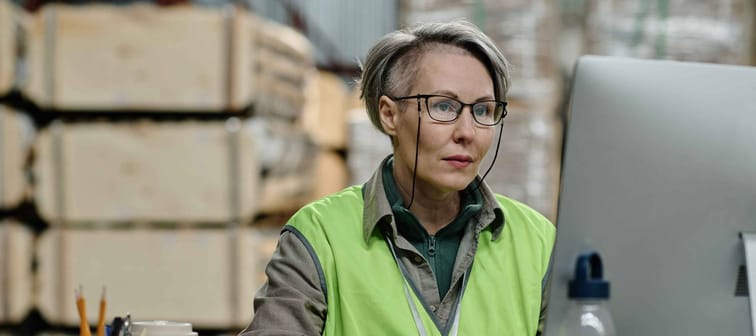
pixel 424 246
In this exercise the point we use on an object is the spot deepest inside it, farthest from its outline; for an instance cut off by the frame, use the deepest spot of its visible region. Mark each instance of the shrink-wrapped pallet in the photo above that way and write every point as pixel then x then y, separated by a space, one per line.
pixel 690 30
pixel 284 65
pixel 429 5
pixel 324 117
pixel 16 280
pixel 16 136
pixel 367 147
pixel 436 11
pixel 528 36
pixel 286 156
pixel 528 163
pixel 207 277
pixel 13 26
pixel 525 31
pixel 141 57
pixel 192 172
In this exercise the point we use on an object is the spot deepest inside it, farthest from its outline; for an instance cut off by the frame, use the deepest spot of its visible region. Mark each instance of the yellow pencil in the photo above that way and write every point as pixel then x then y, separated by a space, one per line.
pixel 81 306
pixel 101 319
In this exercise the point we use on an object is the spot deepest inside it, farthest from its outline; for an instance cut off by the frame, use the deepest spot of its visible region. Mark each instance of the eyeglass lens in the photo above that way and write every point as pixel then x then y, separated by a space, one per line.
pixel 448 109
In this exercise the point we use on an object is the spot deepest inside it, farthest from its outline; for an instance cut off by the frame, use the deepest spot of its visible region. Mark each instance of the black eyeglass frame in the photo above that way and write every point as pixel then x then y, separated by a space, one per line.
pixel 462 108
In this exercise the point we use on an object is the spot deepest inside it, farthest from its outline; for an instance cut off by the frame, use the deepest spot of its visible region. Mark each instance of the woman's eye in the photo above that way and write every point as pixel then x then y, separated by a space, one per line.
pixel 480 110
pixel 444 107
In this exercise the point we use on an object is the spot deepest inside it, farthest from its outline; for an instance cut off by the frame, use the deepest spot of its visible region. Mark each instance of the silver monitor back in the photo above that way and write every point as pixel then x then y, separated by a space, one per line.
pixel 659 177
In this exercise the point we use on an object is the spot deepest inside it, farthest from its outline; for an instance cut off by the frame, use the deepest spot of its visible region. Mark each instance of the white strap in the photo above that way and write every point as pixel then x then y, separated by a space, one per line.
pixel 415 312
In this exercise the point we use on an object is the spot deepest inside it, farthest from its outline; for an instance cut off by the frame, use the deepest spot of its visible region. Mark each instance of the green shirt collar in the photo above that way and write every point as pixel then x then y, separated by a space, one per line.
pixel 411 227
pixel 378 207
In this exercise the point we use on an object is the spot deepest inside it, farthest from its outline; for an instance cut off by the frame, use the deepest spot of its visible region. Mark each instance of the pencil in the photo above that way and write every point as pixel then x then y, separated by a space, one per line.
pixel 101 319
pixel 81 306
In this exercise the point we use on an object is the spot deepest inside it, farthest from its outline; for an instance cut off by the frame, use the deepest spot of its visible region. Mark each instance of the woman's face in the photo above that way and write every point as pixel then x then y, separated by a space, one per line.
pixel 449 153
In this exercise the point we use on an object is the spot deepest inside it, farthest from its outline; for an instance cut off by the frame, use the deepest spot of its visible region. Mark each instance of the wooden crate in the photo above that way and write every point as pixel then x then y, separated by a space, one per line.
pixel 285 64
pixel 13 25
pixel 16 254
pixel 195 172
pixel 141 57
pixel 16 136
pixel 324 117
pixel 206 277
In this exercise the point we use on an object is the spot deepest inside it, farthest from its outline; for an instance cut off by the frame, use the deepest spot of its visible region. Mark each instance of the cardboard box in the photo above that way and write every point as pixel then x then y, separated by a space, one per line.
pixel 191 172
pixel 205 277
pixel 141 57
pixel 16 281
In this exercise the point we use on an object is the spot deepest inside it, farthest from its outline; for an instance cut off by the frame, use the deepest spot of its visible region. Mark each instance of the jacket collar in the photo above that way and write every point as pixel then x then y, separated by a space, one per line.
pixel 377 208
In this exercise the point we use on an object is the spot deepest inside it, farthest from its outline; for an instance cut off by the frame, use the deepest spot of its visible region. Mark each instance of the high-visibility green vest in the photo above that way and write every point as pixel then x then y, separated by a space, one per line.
pixel 365 289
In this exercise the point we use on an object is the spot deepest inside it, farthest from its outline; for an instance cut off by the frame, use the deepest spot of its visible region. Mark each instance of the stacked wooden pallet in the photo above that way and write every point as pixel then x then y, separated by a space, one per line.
pixel 130 195
pixel 299 122
pixel 149 170
pixel 16 136
pixel 140 57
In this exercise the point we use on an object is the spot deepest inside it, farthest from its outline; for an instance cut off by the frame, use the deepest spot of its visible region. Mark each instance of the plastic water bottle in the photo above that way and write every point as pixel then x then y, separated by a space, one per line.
pixel 588 313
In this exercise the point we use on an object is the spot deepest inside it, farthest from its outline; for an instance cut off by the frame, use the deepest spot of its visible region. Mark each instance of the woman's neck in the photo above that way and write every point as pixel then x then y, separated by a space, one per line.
pixel 433 208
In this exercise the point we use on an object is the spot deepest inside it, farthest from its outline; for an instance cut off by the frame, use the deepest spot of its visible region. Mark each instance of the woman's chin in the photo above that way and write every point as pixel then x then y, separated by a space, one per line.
pixel 455 183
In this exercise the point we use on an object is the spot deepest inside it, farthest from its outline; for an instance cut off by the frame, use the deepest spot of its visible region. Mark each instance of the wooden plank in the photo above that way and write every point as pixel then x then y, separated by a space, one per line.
pixel 278 66
pixel 324 117
pixel 285 193
pixel 141 57
pixel 287 156
pixel 13 25
pixel 331 174
pixel 285 65
pixel 181 275
pixel 16 280
pixel 286 42
pixel 16 136
pixel 271 89
pixel 145 171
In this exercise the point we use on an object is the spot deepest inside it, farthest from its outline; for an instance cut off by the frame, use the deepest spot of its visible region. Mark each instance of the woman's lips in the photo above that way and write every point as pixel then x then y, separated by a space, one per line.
pixel 459 161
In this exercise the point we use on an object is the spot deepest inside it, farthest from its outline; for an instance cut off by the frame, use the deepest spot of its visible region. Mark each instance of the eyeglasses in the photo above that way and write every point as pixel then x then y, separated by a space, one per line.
pixel 447 109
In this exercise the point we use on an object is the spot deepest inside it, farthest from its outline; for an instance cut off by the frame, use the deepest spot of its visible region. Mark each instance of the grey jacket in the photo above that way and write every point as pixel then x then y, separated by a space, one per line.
pixel 291 302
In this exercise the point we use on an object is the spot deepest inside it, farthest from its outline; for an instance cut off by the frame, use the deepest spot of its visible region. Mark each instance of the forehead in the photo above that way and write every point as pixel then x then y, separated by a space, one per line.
pixel 453 69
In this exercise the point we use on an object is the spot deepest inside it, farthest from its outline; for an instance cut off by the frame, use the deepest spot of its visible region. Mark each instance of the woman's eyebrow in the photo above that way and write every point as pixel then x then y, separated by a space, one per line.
pixel 454 95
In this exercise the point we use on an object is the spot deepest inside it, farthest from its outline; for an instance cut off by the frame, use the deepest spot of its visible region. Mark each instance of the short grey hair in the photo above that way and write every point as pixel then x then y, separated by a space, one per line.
pixel 391 67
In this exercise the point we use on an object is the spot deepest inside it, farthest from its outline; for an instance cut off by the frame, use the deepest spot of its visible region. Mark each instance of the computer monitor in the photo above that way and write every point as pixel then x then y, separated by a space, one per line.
pixel 659 177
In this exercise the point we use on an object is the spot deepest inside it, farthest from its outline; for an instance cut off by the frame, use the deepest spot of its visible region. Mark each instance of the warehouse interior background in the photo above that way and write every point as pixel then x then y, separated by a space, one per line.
pixel 156 148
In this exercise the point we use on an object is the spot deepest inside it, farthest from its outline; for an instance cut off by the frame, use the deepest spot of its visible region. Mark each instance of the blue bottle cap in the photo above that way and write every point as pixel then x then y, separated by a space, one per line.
pixel 588 281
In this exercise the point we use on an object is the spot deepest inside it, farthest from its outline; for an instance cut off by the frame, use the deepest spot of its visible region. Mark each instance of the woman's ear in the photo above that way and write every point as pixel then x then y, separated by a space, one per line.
pixel 388 111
